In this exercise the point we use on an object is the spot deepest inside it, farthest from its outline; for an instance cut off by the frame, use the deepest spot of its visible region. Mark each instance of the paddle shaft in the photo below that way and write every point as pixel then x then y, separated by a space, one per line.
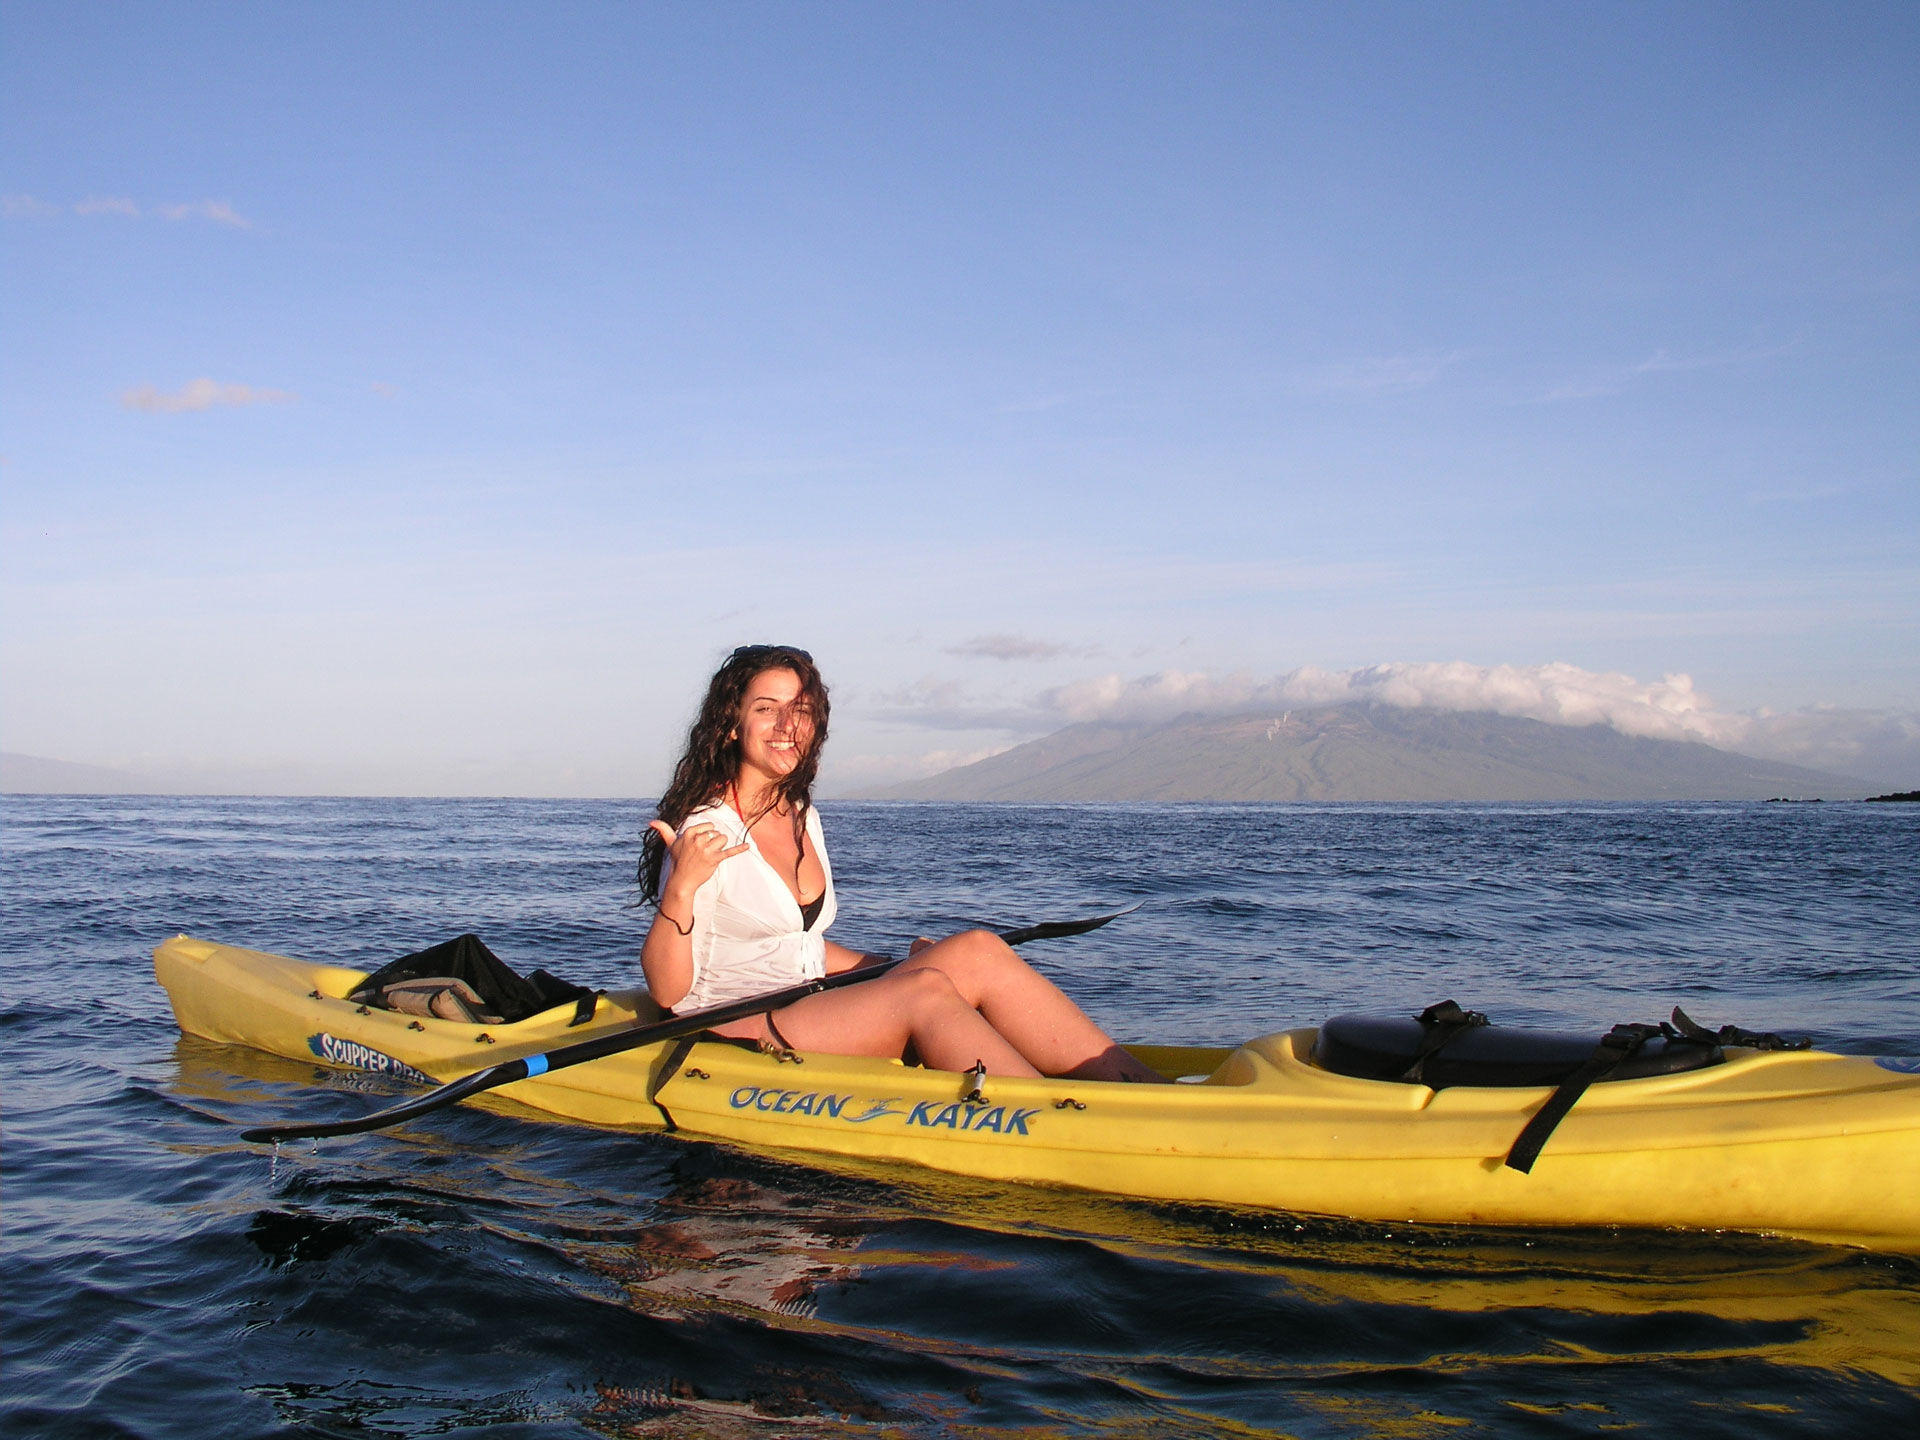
pixel 600 1046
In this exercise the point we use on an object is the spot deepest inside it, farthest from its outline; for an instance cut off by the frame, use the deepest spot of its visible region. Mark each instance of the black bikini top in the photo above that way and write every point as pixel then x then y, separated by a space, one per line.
pixel 810 911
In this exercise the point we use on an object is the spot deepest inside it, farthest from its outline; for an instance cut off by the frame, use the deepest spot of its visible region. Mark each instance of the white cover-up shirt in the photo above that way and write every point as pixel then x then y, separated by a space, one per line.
pixel 747 927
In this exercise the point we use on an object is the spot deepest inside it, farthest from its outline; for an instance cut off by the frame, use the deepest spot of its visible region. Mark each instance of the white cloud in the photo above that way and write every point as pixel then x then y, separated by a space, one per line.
pixel 1010 647
pixel 1809 494
pixel 216 210
pixel 1037 404
pixel 860 772
pixel 1613 379
pixel 1860 742
pixel 1377 374
pixel 930 703
pixel 201 394
pixel 1559 694
pixel 1881 745
pixel 219 211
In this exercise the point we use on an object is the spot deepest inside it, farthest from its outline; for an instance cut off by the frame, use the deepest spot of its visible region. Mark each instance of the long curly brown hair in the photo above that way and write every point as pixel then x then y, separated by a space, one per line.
pixel 712 757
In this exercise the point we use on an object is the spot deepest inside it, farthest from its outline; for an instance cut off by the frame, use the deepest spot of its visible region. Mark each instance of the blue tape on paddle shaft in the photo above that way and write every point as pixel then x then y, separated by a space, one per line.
pixel 536 1065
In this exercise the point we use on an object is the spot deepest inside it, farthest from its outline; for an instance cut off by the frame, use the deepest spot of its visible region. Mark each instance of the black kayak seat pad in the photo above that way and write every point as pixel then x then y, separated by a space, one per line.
pixel 1385 1047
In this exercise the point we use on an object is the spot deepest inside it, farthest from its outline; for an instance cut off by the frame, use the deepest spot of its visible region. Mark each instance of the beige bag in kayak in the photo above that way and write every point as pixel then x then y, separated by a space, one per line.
pixel 439 997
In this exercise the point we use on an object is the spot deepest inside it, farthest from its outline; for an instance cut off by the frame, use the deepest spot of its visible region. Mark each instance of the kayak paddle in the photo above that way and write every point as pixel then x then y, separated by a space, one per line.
pixel 600 1046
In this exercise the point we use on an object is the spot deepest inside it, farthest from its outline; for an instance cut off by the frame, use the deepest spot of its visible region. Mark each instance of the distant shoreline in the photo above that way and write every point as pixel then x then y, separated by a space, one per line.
pixel 831 802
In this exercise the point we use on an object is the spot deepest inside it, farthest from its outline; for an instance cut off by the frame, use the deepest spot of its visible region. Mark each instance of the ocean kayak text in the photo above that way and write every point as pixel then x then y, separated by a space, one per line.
pixel 932 1114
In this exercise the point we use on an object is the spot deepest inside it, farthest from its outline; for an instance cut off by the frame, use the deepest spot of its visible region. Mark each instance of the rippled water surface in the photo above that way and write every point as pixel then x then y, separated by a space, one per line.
pixel 481 1272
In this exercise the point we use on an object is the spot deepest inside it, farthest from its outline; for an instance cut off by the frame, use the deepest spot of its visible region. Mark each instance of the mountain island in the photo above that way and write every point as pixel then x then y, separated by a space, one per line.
pixel 1366 751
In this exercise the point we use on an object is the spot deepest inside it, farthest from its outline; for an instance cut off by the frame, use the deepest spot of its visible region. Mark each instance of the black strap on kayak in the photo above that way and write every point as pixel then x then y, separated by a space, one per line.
pixel 675 1059
pixel 1615 1046
pixel 1444 1023
pixel 1735 1036
pixel 1618 1045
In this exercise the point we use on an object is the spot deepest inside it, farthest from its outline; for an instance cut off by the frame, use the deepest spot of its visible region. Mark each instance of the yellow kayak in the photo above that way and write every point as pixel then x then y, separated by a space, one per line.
pixel 1803 1143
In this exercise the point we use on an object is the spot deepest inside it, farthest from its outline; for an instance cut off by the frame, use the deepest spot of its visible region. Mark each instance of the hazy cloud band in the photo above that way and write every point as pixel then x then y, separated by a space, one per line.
pixel 1872 743
pixel 201 394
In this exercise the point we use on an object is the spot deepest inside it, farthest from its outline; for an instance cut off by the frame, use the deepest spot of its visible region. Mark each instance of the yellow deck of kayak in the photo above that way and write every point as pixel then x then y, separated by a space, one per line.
pixel 1802 1143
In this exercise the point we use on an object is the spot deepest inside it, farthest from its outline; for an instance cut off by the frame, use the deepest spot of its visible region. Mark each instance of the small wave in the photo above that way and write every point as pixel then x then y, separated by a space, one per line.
pixel 292 1237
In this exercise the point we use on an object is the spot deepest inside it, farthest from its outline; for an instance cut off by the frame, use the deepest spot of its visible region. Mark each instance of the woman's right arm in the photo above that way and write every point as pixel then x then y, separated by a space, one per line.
pixel 693 856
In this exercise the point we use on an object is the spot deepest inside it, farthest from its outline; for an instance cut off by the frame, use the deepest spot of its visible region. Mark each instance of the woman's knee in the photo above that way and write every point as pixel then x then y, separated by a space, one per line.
pixel 982 950
pixel 931 987
pixel 977 963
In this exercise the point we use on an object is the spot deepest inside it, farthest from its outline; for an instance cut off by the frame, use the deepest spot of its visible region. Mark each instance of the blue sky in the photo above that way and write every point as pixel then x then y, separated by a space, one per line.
pixel 423 398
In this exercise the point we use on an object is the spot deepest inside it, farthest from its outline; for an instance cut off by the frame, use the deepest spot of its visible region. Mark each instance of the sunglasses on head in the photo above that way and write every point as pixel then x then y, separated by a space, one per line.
pixel 749 652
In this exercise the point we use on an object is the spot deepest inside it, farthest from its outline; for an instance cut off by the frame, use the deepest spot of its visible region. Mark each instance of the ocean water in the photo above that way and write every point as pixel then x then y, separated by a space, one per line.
pixel 479 1273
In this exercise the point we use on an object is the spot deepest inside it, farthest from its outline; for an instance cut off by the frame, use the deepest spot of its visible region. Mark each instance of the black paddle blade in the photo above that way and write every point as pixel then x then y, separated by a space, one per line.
pixel 448 1094
pixel 1058 929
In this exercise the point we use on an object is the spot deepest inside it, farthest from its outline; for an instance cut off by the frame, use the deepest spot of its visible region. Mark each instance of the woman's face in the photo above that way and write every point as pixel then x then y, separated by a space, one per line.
pixel 776 725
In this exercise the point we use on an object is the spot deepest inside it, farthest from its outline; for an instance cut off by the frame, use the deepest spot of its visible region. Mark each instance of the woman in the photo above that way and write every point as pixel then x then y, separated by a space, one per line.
pixel 736 867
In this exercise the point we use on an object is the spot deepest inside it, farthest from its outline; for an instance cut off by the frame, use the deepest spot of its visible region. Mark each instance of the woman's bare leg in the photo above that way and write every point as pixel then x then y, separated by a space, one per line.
pixel 1035 1015
pixel 882 1017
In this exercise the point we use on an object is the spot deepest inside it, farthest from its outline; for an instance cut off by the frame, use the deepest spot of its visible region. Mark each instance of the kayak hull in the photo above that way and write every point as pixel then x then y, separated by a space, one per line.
pixel 1803 1143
